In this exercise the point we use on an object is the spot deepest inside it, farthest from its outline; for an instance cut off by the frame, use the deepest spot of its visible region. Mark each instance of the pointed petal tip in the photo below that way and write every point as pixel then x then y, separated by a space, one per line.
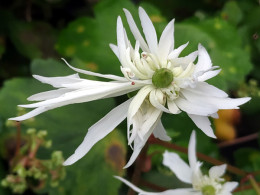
pixel 18 118
pixel 126 11
pixel 71 160
pixel 67 163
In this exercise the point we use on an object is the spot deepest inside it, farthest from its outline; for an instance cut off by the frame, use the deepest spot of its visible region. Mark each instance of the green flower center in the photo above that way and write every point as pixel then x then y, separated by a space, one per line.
pixel 208 190
pixel 162 78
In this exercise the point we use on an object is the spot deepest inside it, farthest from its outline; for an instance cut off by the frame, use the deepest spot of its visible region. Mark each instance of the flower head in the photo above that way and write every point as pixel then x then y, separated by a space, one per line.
pixel 166 83
pixel 211 184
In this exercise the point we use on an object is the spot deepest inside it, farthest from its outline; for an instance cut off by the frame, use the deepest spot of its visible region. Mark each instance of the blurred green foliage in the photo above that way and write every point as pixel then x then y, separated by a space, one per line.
pixel 33 40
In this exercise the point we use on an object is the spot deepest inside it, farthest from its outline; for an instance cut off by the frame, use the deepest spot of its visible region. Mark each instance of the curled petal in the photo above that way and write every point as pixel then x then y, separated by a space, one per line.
pixel 160 132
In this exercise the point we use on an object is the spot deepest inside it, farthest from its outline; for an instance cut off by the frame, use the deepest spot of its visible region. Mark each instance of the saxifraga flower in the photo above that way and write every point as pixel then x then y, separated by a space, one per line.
pixel 165 83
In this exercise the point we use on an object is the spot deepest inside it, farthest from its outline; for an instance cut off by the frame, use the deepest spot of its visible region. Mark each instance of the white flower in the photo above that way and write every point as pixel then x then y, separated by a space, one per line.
pixel 166 83
pixel 211 184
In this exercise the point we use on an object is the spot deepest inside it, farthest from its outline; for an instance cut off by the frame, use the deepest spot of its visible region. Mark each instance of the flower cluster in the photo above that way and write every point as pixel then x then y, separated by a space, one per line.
pixel 165 82
pixel 211 184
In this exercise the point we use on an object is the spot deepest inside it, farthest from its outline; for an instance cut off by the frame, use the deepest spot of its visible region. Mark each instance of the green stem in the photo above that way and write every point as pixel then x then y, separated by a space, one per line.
pixel 254 184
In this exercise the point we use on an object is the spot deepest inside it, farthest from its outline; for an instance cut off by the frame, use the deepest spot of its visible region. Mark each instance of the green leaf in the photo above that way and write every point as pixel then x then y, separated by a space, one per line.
pixel 2 46
pixel 87 40
pixel 246 192
pixel 232 12
pixel 67 127
pixel 248 159
pixel 32 40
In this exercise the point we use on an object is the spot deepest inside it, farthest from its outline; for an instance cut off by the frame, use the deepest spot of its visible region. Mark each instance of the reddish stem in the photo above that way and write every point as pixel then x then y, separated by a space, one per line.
pixel 18 138
pixel 137 169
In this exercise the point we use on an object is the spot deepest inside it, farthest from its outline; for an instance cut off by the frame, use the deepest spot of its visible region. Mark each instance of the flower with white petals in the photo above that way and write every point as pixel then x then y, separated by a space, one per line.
pixel 166 83
pixel 211 184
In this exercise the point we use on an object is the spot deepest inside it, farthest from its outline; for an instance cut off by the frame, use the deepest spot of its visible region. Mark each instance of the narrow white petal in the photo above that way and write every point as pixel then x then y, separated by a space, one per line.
pixel 218 102
pixel 48 94
pixel 208 90
pixel 180 168
pixel 137 149
pixel 130 185
pixel 173 107
pixel 192 151
pixel 197 109
pixel 135 31
pixel 146 130
pixel 208 75
pixel 166 42
pixel 31 114
pixel 176 52
pixel 99 130
pixel 120 32
pixel 83 95
pixel 149 31
pixel 203 123
pixel 185 61
pixel 229 187
pixel 181 191
pixel 58 81
pixel 217 171
pixel 160 132
pixel 107 76
pixel 204 61
pixel 114 49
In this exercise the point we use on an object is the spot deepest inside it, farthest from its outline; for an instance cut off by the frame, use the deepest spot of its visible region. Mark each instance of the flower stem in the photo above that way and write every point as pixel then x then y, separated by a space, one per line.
pixel 18 138
pixel 254 184
pixel 138 168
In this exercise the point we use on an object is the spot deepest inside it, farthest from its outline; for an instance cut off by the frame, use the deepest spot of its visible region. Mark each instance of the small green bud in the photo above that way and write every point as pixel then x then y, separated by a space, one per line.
pixel 31 131
pixel 48 144
pixel 4 183
pixel 42 134
pixel 208 190
pixel 57 158
pixel 162 78
pixel 9 123
pixel 21 171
